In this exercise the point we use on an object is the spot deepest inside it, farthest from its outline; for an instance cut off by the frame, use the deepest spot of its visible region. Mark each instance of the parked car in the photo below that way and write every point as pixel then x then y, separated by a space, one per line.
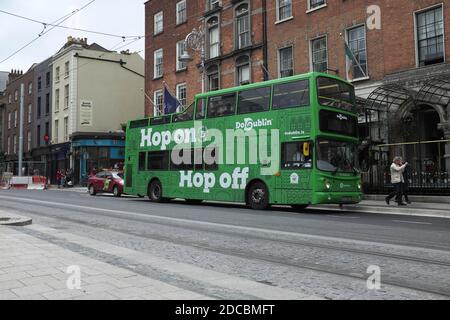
pixel 106 182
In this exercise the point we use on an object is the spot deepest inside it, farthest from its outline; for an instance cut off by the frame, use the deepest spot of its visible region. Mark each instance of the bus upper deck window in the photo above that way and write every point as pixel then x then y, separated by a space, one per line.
pixel 291 94
pixel 200 111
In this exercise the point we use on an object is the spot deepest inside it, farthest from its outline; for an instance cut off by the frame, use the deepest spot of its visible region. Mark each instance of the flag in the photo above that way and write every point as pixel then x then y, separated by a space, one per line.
pixel 352 62
pixel 171 103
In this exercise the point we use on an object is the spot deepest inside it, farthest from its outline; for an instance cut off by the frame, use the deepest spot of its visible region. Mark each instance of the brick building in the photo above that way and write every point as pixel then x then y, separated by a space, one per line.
pixel 12 116
pixel 402 76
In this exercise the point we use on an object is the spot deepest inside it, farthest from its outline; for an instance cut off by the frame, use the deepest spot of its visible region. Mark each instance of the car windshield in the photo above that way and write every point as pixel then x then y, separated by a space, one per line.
pixel 118 175
pixel 336 156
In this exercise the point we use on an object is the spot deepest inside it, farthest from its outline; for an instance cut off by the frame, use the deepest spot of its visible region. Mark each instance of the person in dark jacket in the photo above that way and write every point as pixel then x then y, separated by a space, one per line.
pixel 405 184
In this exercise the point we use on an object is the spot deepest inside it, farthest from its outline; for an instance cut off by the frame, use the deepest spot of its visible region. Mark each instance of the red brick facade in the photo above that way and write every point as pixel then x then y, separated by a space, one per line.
pixel 390 49
pixel 12 113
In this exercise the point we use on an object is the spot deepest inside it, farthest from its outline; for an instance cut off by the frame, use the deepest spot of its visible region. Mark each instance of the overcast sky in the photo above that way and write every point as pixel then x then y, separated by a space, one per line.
pixel 121 17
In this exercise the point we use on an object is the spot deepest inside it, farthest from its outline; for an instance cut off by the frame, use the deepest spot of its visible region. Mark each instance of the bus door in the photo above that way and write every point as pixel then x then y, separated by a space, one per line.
pixel 296 169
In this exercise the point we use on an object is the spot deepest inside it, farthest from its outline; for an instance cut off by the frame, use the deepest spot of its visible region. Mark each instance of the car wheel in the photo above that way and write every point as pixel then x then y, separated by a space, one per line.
pixel 155 191
pixel 92 190
pixel 258 196
pixel 116 192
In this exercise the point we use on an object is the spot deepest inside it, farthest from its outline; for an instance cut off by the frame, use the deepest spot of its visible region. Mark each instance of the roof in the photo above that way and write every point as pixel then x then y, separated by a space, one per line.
pixel 3 80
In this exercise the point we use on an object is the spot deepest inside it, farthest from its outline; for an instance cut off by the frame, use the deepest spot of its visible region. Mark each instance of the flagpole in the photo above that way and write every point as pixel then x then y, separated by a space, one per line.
pixel 173 95
pixel 353 56
pixel 150 99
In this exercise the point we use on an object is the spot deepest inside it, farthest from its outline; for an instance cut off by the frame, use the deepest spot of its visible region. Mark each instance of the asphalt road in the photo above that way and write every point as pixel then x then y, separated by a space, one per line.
pixel 325 253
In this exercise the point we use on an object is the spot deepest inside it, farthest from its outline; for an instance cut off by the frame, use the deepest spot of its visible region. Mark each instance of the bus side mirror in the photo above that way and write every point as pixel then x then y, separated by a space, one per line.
pixel 306 149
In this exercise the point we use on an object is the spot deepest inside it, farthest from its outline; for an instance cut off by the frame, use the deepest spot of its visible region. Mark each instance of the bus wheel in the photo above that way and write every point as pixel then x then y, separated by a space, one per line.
pixel 155 191
pixel 299 207
pixel 258 196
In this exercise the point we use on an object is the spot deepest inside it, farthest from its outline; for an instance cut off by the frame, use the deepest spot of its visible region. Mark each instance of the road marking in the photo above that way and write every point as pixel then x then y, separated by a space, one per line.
pixel 220 225
pixel 345 217
pixel 412 222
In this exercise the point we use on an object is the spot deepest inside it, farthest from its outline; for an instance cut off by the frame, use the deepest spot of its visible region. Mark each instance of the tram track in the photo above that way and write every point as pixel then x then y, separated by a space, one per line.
pixel 281 261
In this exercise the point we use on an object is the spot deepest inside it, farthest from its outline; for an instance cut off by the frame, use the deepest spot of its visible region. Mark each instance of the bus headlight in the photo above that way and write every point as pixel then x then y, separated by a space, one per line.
pixel 328 185
pixel 359 186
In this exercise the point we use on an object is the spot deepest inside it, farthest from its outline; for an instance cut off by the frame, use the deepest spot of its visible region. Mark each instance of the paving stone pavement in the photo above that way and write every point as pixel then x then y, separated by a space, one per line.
pixel 32 268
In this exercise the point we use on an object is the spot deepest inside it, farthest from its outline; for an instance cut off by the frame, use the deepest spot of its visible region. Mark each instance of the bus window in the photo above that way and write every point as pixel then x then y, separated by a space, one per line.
pixel 142 161
pixel 296 155
pixel 291 94
pixel 158 160
pixel 254 100
pixel 160 120
pixel 336 93
pixel 200 112
pixel 210 159
pixel 139 124
pixel 221 106
pixel 187 115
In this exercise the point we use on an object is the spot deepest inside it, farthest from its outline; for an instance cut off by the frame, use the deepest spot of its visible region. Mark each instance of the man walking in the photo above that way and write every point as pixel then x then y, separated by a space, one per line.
pixel 397 180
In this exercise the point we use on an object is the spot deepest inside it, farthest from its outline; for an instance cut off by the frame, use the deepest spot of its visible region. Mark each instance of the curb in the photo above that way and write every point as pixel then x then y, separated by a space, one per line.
pixel 15 221
pixel 389 210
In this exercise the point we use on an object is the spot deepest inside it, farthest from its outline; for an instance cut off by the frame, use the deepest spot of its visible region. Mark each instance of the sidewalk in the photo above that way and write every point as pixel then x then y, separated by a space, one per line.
pixel 32 268
pixel 421 206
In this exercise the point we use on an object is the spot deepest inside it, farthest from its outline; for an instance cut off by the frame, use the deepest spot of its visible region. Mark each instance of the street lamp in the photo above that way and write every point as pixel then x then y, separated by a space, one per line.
pixel 195 40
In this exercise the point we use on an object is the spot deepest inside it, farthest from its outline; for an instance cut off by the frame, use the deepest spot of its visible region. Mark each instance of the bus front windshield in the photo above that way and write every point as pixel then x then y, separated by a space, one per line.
pixel 336 156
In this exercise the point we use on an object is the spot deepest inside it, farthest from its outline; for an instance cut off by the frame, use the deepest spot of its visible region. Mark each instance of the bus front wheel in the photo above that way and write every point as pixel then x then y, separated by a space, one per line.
pixel 258 196
pixel 155 191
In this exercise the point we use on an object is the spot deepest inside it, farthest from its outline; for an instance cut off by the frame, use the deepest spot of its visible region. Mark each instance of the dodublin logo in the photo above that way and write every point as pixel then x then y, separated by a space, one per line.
pixel 342 117
pixel 249 124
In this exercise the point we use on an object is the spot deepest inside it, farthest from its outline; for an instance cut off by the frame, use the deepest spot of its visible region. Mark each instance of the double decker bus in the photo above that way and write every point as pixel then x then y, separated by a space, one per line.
pixel 291 141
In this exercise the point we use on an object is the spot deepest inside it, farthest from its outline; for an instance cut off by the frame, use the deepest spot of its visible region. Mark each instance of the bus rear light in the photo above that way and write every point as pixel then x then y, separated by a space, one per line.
pixel 278 174
pixel 328 185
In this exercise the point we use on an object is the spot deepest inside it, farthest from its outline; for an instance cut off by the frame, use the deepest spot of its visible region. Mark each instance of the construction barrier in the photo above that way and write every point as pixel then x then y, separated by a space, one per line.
pixel 30 183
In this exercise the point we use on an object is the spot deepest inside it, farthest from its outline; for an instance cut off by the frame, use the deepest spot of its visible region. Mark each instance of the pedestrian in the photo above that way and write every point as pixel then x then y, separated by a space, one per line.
pixel 397 180
pixel 406 176
pixel 63 179
pixel 58 178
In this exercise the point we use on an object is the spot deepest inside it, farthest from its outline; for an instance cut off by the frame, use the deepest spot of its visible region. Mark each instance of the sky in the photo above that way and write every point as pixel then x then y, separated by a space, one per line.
pixel 118 17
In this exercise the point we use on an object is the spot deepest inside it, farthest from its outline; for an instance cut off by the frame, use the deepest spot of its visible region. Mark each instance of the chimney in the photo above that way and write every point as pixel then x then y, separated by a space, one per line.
pixel 13 75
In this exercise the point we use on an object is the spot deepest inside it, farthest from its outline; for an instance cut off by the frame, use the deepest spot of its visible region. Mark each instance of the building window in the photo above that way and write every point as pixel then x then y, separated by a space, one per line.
pixel 38 136
pixel 181 94
pixel 242 70
pixel 284 9
pixel 242 26
pixel 158 64
pixel 47 131
pixel 9 120
pixel 15 144
pixel 39 106
pixel 181 48
pixel 158 19
pixel 319 55
pixel 214 38
pixel 29 111
pixel 9 98
pixel 39 84
pixel 213 4
pixel 181 12
pixel 56 100
pixel 47 104
pixel 66 129
pixel 8 150
pixel 66 68
pixel 430 36
pixel 56 131
pixel 158 99
pixel 316 3
pixel 29 141
pixel 213 78
pixel 57 76
pixel 15 119
pixel 286 63
pixel 47 79
pixel 16 95
pixel 30 88
pixel 66 96
pixel 357 45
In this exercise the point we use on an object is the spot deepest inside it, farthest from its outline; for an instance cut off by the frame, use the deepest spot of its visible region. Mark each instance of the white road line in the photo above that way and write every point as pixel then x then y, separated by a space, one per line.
pixel 222 225
pixel 412 222
pixel 344 217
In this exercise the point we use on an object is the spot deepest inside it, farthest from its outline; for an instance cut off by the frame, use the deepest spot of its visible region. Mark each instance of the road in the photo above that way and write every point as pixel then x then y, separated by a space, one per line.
pixel 322 253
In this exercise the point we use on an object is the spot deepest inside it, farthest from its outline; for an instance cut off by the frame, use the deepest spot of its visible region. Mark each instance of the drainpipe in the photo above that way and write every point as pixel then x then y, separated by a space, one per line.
pixel 265 52
pixel 22 97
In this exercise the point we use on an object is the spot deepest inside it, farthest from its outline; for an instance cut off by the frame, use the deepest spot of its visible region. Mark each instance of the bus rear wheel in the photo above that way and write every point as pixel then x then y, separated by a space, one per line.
pixel 258 196
pixel 155 191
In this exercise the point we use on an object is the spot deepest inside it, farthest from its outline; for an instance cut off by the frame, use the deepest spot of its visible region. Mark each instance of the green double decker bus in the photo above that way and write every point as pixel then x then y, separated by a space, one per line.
pixel 291 141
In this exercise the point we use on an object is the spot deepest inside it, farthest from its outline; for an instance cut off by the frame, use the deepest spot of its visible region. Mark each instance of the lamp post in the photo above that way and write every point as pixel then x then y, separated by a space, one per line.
pixel 195 40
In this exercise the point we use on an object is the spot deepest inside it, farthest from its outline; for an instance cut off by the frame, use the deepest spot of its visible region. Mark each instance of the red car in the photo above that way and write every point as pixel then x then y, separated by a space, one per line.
pixel 106 182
